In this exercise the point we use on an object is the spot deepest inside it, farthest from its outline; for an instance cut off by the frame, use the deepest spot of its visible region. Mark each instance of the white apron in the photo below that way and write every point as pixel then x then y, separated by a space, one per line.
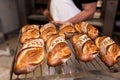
pixel 62 10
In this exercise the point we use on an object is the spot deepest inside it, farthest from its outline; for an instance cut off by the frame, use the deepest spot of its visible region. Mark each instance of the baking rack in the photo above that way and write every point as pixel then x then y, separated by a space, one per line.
pixel 73 69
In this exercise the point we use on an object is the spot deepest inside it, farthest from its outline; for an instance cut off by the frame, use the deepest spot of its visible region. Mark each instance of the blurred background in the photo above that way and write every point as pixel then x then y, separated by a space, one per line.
pixel 16 13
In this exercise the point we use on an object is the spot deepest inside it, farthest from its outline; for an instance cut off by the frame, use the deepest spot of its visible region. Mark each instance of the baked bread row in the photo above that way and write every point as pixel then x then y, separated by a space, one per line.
pixel 66 30
pixel 56 45
pixel 88 50
pixel 86 53
pixel 84 37
pixel 88 44
pixel 31 53
pixel 29 56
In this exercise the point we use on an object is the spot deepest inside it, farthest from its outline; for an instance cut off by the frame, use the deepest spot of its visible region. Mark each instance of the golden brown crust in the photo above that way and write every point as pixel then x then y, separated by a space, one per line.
pixel 66 28
pixel 30 56
pixel 85 51
pixel 109 50
pixel 29 34
pixel 47 33
pixel 92 32
pixel 47 30
pixel 28 59
pixel 86 28
pixel 99 40
pixel 75 38
pixel 78 27
pixel 50 39
pixel 27 27
pixel 59 53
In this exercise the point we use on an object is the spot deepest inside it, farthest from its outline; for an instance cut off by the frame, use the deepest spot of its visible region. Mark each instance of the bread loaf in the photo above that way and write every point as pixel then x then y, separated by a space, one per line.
pixel 67 30
pixel 29 57
pixel 85 48
pixel 28 27
pixel 109 50
pixel 86 28
pixel 47 30
pixel 58 50
pixel 29 32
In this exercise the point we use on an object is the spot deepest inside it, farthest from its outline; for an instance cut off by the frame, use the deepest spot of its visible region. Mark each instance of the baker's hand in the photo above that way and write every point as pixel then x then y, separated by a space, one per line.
pixel 45 12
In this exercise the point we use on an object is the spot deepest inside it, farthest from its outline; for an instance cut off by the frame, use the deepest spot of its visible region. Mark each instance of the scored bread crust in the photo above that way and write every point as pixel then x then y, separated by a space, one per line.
pixel 47 30
pixel 66 29
pixel 84 47
pixel 99 40
pixel 28 59
pixel 30 56
pixel 86 28
pixel 38 42
pixel 58 54
pixel 109 50
pixel 50 40
pixel 28 27
pixel 29 34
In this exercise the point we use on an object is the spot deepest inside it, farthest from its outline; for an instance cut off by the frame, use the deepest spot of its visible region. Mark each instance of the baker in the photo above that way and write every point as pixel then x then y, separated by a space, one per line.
pixel 74 11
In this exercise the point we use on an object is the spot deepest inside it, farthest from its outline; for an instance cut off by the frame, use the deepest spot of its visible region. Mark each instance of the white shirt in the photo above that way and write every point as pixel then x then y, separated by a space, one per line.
pixel 63 9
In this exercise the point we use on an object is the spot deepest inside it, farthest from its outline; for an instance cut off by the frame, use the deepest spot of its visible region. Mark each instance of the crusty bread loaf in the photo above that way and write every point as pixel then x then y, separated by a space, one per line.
pixel 90 30
pixel 28 26
pixel 84 47
pixel 109 50
pixel 66 30
pixel 29 34
pixel 47 30
pixel 29 57
pixel 58 50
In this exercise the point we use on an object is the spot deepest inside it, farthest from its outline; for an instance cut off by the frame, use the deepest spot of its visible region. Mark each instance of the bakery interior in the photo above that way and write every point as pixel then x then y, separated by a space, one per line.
pixel 16 13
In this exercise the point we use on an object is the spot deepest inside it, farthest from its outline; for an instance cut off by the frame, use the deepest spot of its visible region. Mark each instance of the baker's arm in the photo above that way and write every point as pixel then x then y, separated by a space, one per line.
pixel 87 13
